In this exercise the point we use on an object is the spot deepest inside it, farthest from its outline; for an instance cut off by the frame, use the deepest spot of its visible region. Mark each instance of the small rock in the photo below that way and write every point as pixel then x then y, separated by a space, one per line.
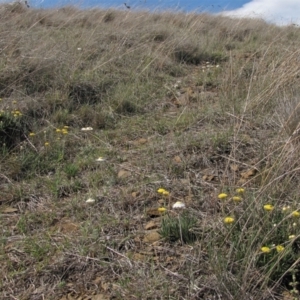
pixel 123 174
pixel 152 237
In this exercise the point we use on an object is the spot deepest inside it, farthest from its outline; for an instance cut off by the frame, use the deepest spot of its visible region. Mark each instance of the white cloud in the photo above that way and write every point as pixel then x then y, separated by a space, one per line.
pixel 281 12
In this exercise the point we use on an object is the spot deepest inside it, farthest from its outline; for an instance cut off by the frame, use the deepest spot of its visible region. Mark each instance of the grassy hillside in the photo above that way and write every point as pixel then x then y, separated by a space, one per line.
pixel 108 118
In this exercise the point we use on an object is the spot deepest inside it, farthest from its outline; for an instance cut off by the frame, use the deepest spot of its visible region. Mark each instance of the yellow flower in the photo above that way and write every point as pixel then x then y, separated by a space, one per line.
pixel 58 130
pixel 222 196
pixel 31 134
pixel 279 248
pixel 66 127
pixel 47 144
pixel 265 249
pixel 64 131
pixel 295 214
pixel 268 207
pixel 161 190
pixel 240 190
pixel 236 198
pixel 228 220
pixel 291 237
pixel 162 209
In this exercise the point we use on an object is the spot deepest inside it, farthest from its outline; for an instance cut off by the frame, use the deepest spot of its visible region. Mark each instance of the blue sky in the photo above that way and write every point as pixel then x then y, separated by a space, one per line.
pixel 185 5
pixel 281 12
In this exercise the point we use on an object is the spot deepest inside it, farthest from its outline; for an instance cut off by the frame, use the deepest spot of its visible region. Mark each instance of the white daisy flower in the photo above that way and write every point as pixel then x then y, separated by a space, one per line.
pixel 178 204
pixel 90 200
pixel 100 159
pixel 87 129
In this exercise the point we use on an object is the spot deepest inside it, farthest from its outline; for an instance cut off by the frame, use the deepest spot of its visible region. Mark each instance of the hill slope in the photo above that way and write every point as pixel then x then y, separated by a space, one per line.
pixel 111 106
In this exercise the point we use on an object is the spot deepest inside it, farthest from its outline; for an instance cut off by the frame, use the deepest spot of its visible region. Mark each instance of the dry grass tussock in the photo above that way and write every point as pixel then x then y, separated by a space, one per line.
pixel 111 106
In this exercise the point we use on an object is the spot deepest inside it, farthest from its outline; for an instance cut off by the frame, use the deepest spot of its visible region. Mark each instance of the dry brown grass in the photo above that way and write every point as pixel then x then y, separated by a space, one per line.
pixel 197 104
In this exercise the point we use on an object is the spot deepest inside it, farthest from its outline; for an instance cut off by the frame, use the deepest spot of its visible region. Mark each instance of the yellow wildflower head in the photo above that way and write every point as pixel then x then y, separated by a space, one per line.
pixel 66 127
pixel 64 131
pixel 265 249
pixel 161 190
pixel 31 134
pixel 228 220
pixel 240 190
pixel 47 144
pixel 236 198
pixel 268 207
pixel 58 130
pixel 291 237
pixel 296 214
pixel 279 248
pixel 222 196
pixel 162 209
